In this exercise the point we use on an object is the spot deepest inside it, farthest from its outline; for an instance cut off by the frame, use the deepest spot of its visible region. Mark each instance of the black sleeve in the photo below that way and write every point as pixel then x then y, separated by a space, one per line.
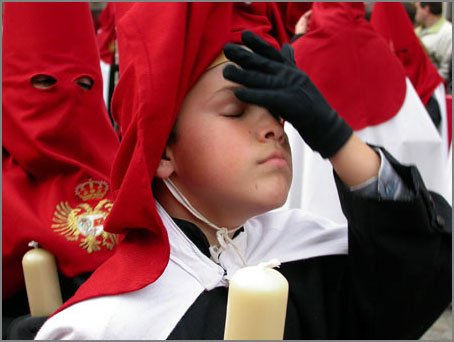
pixel 399 264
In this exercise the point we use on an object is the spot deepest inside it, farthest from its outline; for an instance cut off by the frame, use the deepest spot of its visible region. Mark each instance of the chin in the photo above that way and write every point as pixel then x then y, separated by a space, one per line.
pixel 275 197
pixel 271 203
pixel 279 201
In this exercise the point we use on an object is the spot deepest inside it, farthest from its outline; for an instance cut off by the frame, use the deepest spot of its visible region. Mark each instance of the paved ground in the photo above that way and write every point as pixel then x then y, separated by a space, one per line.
pixel 442 328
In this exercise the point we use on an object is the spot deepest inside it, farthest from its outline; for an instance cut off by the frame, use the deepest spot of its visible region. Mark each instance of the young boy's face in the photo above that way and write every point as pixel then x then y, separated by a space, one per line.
pixel 230 159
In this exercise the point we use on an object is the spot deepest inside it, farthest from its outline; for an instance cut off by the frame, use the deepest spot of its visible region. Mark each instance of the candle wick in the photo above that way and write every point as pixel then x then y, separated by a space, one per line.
pixel 33 244
pixel 271 264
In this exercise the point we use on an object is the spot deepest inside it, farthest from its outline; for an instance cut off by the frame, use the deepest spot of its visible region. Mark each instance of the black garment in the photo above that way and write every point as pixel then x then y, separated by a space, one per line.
pixel 433 109
pixel 196 236
pixel 25 327
pixel 17 324
pixel 393 284
pixel 296 37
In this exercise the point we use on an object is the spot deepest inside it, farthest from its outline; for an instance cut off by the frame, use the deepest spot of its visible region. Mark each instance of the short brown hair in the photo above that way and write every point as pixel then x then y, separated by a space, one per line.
pixel 434 7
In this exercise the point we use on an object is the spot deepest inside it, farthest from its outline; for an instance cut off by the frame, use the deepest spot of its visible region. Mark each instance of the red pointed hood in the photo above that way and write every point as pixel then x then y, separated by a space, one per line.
pixel 351 65
pixel 53 47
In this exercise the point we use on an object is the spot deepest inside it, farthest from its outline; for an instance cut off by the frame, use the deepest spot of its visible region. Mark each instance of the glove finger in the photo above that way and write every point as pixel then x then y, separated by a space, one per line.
pixel 266 98
pixel 251 79
pixel 288 54
pixel 260 46
pixel 260 98
pixel 250 60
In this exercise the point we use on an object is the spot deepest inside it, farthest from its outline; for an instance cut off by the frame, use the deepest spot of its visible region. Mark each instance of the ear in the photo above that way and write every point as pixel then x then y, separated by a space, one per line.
pixel 166 166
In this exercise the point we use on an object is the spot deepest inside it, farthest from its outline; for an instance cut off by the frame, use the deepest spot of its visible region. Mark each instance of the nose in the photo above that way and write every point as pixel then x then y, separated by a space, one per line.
pixel 270 128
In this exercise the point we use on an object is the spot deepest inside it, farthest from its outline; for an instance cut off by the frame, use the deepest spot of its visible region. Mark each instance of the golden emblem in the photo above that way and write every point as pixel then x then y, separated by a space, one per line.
pixel 84 222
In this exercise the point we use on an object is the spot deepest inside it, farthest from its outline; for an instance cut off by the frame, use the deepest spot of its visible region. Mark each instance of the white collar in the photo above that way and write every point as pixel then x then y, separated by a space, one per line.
pixel 188 256
pixel 284 235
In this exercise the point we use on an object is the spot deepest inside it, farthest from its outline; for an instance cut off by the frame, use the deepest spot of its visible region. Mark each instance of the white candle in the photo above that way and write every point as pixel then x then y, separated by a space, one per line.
pixel 41 281
pixel 257 304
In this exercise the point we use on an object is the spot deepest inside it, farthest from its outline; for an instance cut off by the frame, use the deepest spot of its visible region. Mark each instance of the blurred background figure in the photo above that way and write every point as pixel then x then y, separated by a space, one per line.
pixel 366 84
pixel 57 148
pixel 436 34
pixel 391 22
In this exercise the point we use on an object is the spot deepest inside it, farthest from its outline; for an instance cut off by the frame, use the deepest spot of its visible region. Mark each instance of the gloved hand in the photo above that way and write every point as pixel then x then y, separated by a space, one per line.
pixel 273 81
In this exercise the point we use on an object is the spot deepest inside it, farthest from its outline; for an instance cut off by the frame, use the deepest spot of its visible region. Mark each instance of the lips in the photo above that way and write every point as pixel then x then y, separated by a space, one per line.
pixel 277 158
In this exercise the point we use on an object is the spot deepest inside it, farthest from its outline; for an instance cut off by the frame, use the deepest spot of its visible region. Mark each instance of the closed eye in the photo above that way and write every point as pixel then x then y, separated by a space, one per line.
pixel 235 115
pixel 234 108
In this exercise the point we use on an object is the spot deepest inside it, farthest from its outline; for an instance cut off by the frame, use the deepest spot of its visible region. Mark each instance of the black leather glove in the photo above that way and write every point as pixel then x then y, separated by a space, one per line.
pixel 273 81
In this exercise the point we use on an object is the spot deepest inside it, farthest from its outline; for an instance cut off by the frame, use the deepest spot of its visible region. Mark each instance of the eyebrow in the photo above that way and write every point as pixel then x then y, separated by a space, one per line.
pixel 231 88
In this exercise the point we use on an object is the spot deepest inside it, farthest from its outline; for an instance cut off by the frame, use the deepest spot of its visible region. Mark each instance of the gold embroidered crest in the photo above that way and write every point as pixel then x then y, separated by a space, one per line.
pixel 84 222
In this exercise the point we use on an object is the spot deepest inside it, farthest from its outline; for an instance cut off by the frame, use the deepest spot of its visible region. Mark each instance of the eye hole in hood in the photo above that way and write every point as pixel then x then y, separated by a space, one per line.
pixel 43 81
pixel 85 82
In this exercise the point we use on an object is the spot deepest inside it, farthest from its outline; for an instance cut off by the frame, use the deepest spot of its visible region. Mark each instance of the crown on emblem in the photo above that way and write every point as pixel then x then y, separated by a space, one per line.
pixel 91 189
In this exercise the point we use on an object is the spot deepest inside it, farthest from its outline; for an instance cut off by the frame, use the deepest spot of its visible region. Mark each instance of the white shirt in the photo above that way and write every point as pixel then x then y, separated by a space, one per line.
pixel 437 40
